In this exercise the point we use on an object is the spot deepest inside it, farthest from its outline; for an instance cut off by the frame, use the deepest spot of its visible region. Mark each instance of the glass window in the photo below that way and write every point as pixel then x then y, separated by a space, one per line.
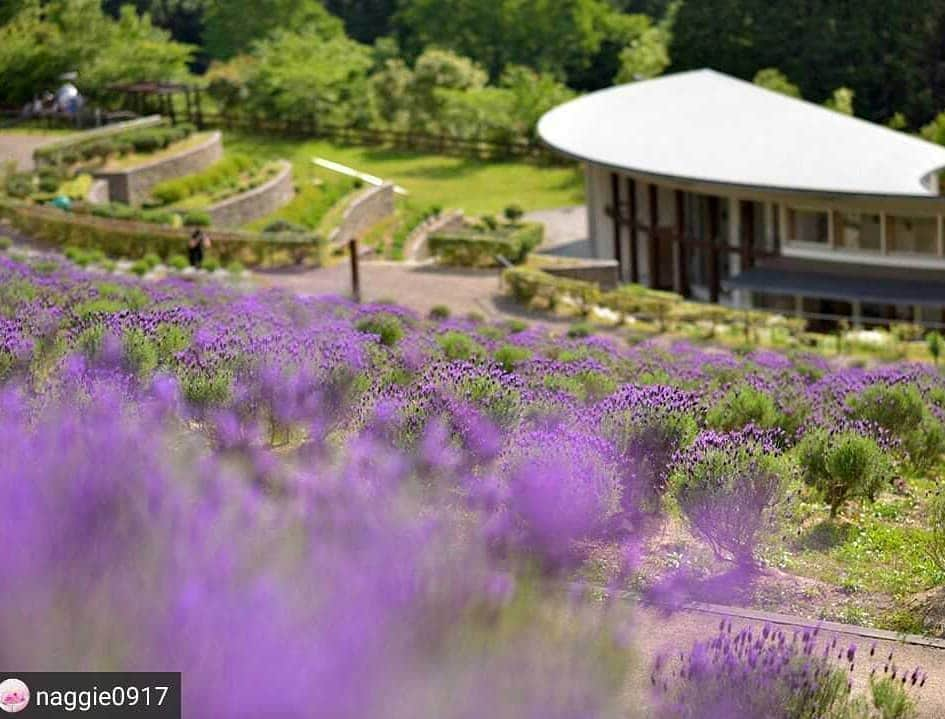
pixel 913 235
pixel 858 231
pixel 809 226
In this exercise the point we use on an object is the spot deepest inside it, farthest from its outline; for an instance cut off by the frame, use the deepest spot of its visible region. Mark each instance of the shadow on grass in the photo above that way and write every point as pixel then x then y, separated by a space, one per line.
pixel 823 536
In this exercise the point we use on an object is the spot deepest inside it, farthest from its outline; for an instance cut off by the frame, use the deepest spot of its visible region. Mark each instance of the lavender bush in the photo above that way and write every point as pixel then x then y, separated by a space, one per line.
pixel 727 485
pixel 333 502
pixel 778 674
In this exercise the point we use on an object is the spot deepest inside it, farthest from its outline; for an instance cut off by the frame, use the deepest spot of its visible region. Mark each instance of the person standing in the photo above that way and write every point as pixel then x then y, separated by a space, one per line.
pixel 199 241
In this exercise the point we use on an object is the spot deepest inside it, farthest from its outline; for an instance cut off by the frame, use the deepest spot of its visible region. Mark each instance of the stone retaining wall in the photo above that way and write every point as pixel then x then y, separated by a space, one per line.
pixel 132 185
pixel 256 203
pixel 603 272
pixel 372 206
pixel 105 131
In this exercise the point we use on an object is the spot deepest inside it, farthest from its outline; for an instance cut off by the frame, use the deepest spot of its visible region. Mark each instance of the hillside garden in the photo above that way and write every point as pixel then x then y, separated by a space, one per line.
pixel 444 473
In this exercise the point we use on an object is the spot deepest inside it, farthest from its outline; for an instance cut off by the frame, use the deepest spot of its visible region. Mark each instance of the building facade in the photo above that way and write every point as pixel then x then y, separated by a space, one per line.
pixel 726 192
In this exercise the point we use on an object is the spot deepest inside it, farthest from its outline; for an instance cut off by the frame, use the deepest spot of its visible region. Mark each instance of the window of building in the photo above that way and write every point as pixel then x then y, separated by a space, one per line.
pixel 859 231
pixel 808 226
pixel 912 235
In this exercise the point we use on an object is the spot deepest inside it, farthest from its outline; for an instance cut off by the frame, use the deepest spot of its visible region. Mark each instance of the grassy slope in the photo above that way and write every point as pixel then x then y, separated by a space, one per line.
pixel 451 182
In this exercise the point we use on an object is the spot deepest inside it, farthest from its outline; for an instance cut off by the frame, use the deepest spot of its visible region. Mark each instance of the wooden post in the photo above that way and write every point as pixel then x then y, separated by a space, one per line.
pixel 355 270
pixel 615 200
pixel 748 235
pixel 682 247
pixel 653 252
pixel 199 109
pixel 712 256
pixel 187 105
pixel 634 260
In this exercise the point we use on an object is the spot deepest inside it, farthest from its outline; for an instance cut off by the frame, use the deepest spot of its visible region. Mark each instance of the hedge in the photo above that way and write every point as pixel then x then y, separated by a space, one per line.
pixel 482 248
pixel 144 140
pixel 528 284
pixel 133 240
pixel 225 173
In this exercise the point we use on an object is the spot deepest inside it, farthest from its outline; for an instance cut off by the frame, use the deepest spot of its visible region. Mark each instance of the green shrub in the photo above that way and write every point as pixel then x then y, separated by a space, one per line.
pixel 440 312
pixel 5 243
pixel 580 330
pixel 141 268
pixel 20 185
pixel 224 173
pixel 516 326
pixel 586 385
pixel 459 346
pixel 211 264
pixel 49 183
pixel 177 262
pixel 152 259
pixel 511 356
pixel 140 353
pixel 935 343
pixel 197 218
pixel 170 339
pixel 283 226
pixel 843 466
pixel 926 444
pixel 91 339
pixel 387 327
pixel 901 409
pixel 490 222
pixel 207 388
pixel 478 248
pixel 514 213
pixel 742 406
pixel 235 268
pixel 898 408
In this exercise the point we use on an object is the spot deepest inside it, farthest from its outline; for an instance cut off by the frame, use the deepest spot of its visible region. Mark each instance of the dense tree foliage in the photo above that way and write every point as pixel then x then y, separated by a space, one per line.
pixel 44 41
pixel 233 25
pixel 889 57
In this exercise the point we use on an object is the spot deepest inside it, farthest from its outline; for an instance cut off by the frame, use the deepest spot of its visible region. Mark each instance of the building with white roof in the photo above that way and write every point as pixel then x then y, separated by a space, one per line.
pixel 725 191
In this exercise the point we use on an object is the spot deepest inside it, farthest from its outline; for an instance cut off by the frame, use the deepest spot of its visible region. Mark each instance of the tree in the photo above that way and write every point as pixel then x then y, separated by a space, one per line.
pixel 233 25
pixel 42 43
pixel 435 72
pixel 304 74
pixel 560 37
pixel 648 55
pixel 773 79
pixel 841 101
pixel 365 20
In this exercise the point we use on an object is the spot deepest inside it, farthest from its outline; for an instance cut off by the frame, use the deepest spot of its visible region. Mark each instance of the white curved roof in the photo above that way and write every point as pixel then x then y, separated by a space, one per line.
pixel 706 126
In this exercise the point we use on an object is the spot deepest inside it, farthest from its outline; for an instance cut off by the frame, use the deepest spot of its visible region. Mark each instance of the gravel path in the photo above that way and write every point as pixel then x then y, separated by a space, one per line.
pixel 19 148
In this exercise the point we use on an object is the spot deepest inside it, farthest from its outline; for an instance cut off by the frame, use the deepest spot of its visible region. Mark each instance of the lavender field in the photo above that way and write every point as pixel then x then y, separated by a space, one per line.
pixel 308 503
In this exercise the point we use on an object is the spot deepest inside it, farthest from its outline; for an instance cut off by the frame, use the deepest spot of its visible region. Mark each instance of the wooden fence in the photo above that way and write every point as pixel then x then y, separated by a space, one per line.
pixel 442 144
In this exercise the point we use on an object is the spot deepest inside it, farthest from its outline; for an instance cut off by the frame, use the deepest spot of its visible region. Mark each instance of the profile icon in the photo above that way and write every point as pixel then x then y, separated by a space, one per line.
pixel 14 696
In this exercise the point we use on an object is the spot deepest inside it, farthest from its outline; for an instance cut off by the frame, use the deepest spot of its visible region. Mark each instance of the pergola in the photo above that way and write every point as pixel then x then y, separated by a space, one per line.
pixel 147 96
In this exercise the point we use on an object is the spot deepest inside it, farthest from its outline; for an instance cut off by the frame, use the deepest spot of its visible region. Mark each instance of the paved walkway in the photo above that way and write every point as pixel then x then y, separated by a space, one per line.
pixel 19 148
pixel 419 287
pixel 565 231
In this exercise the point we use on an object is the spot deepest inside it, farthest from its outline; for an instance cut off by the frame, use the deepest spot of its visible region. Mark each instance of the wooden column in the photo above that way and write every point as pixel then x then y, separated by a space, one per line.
pixel 748 235
pixel 682 249
pixel 712 254
pixel 615 200
pixel 355 270
pixel 653 249
pixel 634 252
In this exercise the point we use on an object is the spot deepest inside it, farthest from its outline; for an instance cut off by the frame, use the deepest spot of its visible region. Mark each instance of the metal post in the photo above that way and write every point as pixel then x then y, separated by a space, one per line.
pixel 355 270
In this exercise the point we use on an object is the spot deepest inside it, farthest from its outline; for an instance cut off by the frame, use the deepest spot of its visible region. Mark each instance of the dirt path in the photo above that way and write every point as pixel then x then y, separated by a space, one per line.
pixel 19 148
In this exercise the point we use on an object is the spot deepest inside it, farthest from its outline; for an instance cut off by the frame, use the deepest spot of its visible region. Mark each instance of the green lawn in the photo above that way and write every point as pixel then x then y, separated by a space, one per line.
pixel 450 182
